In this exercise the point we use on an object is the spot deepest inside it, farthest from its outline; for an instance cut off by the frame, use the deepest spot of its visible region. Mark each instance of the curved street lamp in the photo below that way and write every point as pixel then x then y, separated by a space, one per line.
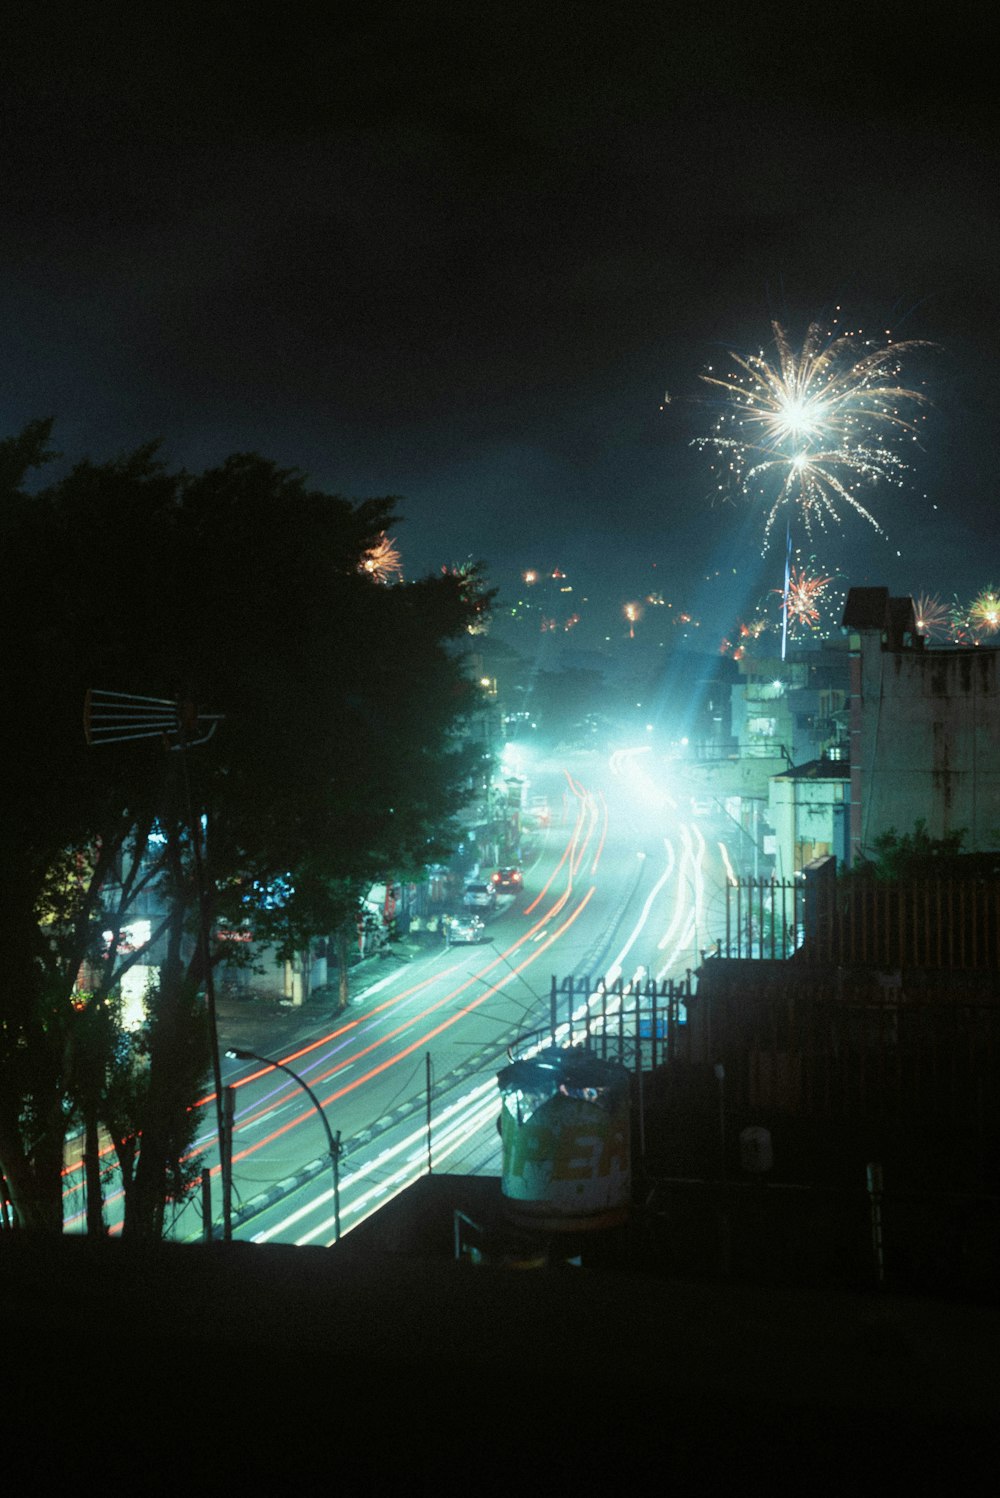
pixel 333 1141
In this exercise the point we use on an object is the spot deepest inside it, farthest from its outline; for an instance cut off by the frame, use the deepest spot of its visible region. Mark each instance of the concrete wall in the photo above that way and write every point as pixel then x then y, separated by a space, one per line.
pixel 925 743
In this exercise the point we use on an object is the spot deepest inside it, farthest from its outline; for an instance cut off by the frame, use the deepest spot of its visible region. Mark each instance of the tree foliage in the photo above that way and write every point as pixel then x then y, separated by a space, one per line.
pixel 241 590
pixel 916 855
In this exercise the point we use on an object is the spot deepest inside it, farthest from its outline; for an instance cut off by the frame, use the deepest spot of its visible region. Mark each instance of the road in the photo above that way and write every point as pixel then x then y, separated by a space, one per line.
pixel 623 884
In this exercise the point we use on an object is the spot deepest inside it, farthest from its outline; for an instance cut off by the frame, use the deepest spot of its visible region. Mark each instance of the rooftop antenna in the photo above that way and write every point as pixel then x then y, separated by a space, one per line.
pixel 118 717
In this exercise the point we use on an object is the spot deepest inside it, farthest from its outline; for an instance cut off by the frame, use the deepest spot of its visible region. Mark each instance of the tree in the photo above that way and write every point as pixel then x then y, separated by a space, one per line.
pixel 73 823
pixel 917 855
pixel 241 590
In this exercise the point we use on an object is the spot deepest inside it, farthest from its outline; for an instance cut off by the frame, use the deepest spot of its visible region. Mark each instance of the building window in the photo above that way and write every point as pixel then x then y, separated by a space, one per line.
pixel 761 728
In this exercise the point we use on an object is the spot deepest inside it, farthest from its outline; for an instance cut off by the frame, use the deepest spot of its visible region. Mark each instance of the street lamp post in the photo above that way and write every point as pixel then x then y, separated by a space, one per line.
pixel 333 1140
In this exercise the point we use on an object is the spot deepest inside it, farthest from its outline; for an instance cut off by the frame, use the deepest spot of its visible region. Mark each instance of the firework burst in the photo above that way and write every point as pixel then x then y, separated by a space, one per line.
pixel 933 619
pixel 472 588
pixel 746 635
pixel 984 612
pixel 382 562
pixel 811 428
pixel 961 629
pixel 802 599
pixel 754 629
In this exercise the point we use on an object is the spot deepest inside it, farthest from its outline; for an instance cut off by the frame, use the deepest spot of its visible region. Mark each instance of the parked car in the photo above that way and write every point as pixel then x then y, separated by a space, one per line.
pixel 479 897
pixel 507 879
pixel 464 928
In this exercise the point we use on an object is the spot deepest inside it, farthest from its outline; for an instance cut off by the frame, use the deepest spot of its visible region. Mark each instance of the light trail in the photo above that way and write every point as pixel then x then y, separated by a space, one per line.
pixel 693 878
pixel 208 1138
pixel 475 978
pixel 455 1128
pixel 626 765
pixel 566 854
pixel 730 871
pixel 616 967
pixel 458 1125
pixel 482 1100
pixel 286 1090
pixel 425 1039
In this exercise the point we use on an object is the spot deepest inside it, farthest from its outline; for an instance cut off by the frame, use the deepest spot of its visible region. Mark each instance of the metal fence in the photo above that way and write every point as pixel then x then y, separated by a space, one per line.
pixel 927 923
pixel 640 1025
pixel 764 918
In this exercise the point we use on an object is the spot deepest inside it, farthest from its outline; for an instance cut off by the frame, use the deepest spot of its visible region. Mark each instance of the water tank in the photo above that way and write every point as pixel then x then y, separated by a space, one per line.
pixel 564 1125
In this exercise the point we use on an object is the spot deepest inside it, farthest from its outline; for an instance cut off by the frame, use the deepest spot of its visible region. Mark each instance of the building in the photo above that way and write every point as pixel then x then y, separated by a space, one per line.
pixel 925 729
pixel 808 807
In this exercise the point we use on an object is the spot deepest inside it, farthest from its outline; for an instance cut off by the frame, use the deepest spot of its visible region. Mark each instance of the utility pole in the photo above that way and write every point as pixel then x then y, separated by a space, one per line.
pixel 226 1158
pixel 427 1071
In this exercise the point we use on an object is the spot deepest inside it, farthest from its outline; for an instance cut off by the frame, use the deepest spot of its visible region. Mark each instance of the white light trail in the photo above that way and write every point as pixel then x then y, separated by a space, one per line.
pixel 415 1140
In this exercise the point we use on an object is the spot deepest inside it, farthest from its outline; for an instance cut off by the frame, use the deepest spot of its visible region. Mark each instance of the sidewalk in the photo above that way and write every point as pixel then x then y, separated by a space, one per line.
pixel 270 1026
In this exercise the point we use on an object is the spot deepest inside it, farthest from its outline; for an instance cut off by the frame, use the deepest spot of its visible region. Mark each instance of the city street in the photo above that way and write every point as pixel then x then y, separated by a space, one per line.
pixel 622 885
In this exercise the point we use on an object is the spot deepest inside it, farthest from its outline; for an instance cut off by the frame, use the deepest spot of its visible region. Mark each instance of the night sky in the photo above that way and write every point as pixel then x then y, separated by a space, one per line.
pixel 458 253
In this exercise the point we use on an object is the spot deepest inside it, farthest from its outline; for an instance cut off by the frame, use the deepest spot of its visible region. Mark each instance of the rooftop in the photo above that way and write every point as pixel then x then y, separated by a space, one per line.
pixel 315 1365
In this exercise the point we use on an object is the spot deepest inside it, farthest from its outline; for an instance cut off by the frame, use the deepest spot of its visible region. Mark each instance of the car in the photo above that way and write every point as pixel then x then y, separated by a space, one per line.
pixel 464 928
pixel 479 897
pixel 507 879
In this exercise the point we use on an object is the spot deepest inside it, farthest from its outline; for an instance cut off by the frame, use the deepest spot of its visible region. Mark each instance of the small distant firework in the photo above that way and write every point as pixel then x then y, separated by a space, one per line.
pixel 808 431
pixel 470 583
pixel 746 633
pixel 803 597
pixel 968 623
pixel 632 613
pixel 984 612
pixel 961 630
pixel 933 619
pixel 382 562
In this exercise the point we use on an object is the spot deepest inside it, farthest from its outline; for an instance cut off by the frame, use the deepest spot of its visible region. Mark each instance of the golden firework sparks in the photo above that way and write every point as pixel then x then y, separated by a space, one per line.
pixel 932 617
pixel 803 596
pixel 382 562
pixel 808 429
